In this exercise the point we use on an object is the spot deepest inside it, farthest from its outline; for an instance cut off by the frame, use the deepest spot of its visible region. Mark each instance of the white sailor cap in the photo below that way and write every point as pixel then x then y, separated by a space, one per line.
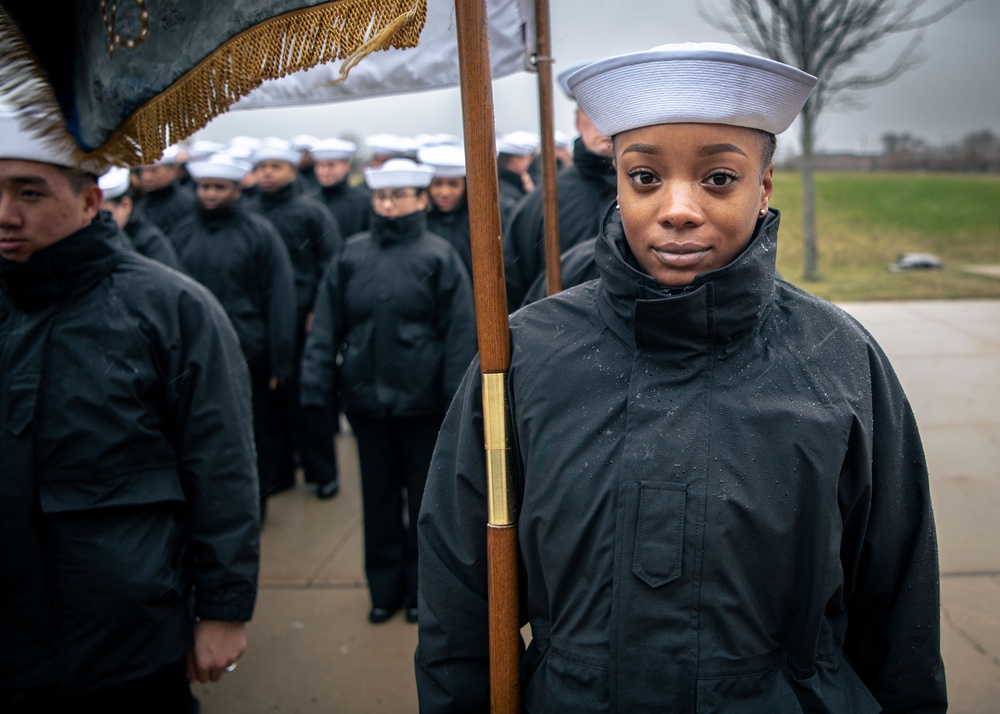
pixel 562 139
pixel 427 140
pixel 330 149
pixel 399 173
pixel 563 78
pixel 695 82
pixel 390 145
pixel 219 166
pixel 241 140
pixel 447 161
pixel 171 156
pixel 18 143
pixel 274 149
pixel 202 149
pixel 518 143
pixel 304 142
pixel 115 182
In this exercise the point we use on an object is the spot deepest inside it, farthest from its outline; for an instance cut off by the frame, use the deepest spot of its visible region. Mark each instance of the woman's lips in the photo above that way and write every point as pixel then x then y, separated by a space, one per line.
pixel 680 256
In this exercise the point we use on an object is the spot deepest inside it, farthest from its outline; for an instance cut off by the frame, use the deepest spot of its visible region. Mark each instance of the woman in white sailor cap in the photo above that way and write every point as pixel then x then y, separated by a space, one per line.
pixel 397 307
pixel 146 238
pixel 448 211
pixel 240 257
pixel 724 502
pixel 332 160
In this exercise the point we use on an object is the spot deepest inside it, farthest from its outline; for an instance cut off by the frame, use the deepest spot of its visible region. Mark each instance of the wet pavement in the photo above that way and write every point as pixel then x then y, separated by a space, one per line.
pixel 313 650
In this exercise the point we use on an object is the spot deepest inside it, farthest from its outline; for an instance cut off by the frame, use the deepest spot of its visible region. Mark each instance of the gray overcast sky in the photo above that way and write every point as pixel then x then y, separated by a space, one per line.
pixel 954 90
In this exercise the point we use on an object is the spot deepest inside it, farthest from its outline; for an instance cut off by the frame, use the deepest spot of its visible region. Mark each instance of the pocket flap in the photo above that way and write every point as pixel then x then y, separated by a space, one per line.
pixel 22 391
pixel 659 536
pixel 83 494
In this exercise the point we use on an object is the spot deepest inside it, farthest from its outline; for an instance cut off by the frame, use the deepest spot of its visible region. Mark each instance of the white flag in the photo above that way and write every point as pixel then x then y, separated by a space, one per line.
pixel 433 64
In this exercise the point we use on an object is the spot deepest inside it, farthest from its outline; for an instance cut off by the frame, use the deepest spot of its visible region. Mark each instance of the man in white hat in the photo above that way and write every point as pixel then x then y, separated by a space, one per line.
pixel 240 257
pixel 397 309
pixel 584 190
pixel 147 239
pixel 313 239
pixel 332 161
pixel 724 503
pixel 515 152
pixel 165 201
pixel 128 514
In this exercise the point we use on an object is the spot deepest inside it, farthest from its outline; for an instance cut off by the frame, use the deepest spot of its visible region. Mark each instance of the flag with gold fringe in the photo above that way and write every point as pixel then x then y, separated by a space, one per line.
pixel 432 65
pixel 120 80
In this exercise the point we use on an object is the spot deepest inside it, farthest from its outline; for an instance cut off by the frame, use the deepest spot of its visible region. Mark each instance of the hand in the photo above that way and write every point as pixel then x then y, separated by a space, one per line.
pixel 273 382
pixel 309 323
pixel 217 645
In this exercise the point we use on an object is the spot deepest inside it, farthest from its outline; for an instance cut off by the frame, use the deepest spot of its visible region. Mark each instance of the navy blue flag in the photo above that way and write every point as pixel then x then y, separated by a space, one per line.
pixel 124 79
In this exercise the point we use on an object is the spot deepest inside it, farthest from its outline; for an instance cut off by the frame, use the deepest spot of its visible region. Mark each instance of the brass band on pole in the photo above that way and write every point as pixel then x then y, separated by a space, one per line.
pixel 502 507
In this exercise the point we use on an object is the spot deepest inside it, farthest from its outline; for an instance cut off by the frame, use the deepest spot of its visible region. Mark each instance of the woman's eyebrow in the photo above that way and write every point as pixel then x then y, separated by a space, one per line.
pixel 713 149
pixel 641 149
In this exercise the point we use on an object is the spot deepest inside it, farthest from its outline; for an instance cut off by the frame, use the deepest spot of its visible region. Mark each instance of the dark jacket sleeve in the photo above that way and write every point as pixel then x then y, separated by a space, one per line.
pixel 890 556
pixel 208 397
pixel 152 243
pixel 328 240
pixel 278 283
pixel 319 356
pixel 452 657
pixel 522 248
pixel 577 266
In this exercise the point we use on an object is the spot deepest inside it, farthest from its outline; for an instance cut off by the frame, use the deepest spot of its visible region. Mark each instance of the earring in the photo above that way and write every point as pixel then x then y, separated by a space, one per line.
pixel 617 207
pixel 763 211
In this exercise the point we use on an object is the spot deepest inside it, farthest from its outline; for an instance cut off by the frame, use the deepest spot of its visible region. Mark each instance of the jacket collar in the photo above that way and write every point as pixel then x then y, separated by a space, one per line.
pixel 396 230
pixel 68 268
pixel 335 189
pixel 279 196
pixel 714 313
pixel 592 167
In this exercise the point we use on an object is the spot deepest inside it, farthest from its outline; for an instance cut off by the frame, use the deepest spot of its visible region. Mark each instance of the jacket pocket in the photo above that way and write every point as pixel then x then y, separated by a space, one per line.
pixel 20 400
pixel 85 494
pixel 117 552
pixel 659 535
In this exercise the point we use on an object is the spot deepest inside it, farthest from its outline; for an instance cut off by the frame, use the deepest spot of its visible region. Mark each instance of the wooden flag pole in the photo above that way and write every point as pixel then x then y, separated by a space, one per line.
pixel 550 200
pixel 494 353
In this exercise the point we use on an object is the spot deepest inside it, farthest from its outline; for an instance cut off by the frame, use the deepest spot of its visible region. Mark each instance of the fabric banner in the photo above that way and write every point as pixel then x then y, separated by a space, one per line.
pixel 122 79
pixel 433 64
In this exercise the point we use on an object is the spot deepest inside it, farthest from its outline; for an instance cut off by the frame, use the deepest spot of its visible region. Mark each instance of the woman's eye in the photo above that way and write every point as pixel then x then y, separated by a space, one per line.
pixel 720 178
pixel 643 178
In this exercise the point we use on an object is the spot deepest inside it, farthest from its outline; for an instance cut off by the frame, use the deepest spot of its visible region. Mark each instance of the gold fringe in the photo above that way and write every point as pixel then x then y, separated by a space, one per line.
pixel 346 30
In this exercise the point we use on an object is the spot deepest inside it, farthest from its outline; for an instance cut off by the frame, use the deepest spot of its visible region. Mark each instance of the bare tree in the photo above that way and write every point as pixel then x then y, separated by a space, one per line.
pixel 824 38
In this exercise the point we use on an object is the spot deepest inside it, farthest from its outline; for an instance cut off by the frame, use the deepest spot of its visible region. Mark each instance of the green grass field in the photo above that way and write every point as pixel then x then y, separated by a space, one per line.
pixel 865 221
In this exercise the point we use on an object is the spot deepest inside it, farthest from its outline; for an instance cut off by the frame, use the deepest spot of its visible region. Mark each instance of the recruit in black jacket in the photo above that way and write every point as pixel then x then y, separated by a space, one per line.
pixel 239 256
pixel 724 506
pixel 584 191
pixel 398 307
pixel 168 206
pixel 311 236
pixel 129 491
pixel 349 206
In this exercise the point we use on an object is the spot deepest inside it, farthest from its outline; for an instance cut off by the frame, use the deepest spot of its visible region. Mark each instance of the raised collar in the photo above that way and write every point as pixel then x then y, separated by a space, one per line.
pixel 397 230
pixel 715 312
pixel 66 269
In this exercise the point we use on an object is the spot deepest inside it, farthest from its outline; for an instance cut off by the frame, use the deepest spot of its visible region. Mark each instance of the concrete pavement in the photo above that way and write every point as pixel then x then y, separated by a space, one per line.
pixel 313 650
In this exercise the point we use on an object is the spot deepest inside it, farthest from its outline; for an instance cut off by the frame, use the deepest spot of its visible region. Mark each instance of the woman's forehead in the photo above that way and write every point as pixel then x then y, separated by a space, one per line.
pixel 688 133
